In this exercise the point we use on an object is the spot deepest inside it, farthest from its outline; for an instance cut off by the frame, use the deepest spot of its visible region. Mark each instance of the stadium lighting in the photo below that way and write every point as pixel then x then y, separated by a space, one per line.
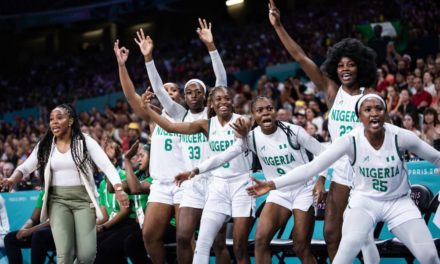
pixel 233 2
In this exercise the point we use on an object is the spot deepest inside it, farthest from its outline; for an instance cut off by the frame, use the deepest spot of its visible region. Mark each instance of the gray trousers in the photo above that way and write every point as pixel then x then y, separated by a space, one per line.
pixel 73 222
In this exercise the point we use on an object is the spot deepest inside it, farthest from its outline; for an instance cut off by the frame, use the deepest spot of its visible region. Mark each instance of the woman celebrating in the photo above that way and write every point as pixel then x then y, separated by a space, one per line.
pixel 349 66
pixel 65 157
pixel 226 194
pixel 165 196
pixel 195 148
pixel 280 147
pixel 380 188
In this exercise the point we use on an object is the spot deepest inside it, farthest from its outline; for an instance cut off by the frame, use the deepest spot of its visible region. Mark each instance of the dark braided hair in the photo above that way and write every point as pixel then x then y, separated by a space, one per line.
pixel 278 123
pixel 82 160
pixel 363 56
pixel 211 94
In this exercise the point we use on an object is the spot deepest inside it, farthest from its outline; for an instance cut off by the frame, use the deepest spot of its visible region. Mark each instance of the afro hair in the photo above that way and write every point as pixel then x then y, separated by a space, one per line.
pixel 363 56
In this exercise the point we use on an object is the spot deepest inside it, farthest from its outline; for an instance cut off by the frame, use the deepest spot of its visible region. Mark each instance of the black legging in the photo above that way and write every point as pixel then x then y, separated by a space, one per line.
pixel 134 245
pixel 127 242
pixel 39 242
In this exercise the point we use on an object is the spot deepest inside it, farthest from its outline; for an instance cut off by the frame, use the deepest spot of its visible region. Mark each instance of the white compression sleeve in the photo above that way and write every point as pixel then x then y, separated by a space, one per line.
pixel 218 160
pixel 355 228
pixel 369 249
pixel 301 174
pixel 173 109
pixel 416 236
pixel 219 69
pixel 210 224
pixel 408 140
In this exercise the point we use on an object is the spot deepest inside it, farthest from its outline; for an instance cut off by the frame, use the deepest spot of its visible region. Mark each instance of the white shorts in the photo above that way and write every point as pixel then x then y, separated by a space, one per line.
pixel 230 197
pixel 393 212
pixel 300 199
pixel 165 192
pixel 343 172
pixel 195 193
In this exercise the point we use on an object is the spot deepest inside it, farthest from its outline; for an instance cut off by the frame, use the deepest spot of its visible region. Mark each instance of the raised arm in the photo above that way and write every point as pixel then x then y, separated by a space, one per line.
pixel 321 81
pixel 410 141
pixel 146 46
pixel 187 128
pixel 308 142
pixel 218 160
pixel 127 85
pixel 135 186
pixel 301 174
pixel 205 35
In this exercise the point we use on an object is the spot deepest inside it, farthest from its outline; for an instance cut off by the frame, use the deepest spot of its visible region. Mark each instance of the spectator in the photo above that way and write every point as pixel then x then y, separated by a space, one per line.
pixel 421 99
pixel 428 84
pixel 405 103
pixel 410 123
pixel 378 44
pixel 284 115
pixel 436 97
pixel 431 129
pixel 312 116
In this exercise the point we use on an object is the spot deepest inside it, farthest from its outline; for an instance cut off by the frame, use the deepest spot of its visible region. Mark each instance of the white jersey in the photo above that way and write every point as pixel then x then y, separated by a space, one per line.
pixel 195 148
pixel 279 153
pixel 166 154
pixel 341 120
pixel 342 117
pixel 221 138
pixel 380 174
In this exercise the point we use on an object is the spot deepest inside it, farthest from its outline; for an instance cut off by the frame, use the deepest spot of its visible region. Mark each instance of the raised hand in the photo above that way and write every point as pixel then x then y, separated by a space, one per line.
pixel 146 97
pixel 145 44
pixel 121 53
pixel 183 176
pixel 204 32
pixel 260 187
pixel 132 151
pixel 241 127
pixel 274 14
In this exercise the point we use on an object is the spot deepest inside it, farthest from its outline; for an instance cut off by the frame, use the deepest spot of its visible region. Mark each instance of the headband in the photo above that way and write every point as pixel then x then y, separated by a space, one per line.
pixel 366 97
pixel 201 83
pixel 61 109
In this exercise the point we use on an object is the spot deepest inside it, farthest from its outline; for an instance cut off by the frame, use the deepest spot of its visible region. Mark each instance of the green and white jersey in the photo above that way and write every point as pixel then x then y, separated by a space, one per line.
pixel 379 173
pixel 107 199
pixel 220 139
pixel 166 154
pixel 279 153
pixel 195 148
pixel 342 117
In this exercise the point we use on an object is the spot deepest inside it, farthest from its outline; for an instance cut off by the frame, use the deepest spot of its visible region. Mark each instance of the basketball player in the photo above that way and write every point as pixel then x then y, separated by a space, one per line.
pixel 349 66
pixel 381 191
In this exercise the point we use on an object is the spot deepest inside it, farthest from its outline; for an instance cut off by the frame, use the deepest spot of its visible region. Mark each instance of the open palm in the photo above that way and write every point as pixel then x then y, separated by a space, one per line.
pixel 204 31
pixel 145 43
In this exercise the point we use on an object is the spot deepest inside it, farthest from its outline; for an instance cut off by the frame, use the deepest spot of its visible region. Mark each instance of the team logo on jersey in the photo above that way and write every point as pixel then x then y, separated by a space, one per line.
pixel 390 158
pixel 282 146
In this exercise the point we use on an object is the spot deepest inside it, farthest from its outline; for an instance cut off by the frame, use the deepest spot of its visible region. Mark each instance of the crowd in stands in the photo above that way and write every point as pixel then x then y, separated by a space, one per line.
pixel 408 79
